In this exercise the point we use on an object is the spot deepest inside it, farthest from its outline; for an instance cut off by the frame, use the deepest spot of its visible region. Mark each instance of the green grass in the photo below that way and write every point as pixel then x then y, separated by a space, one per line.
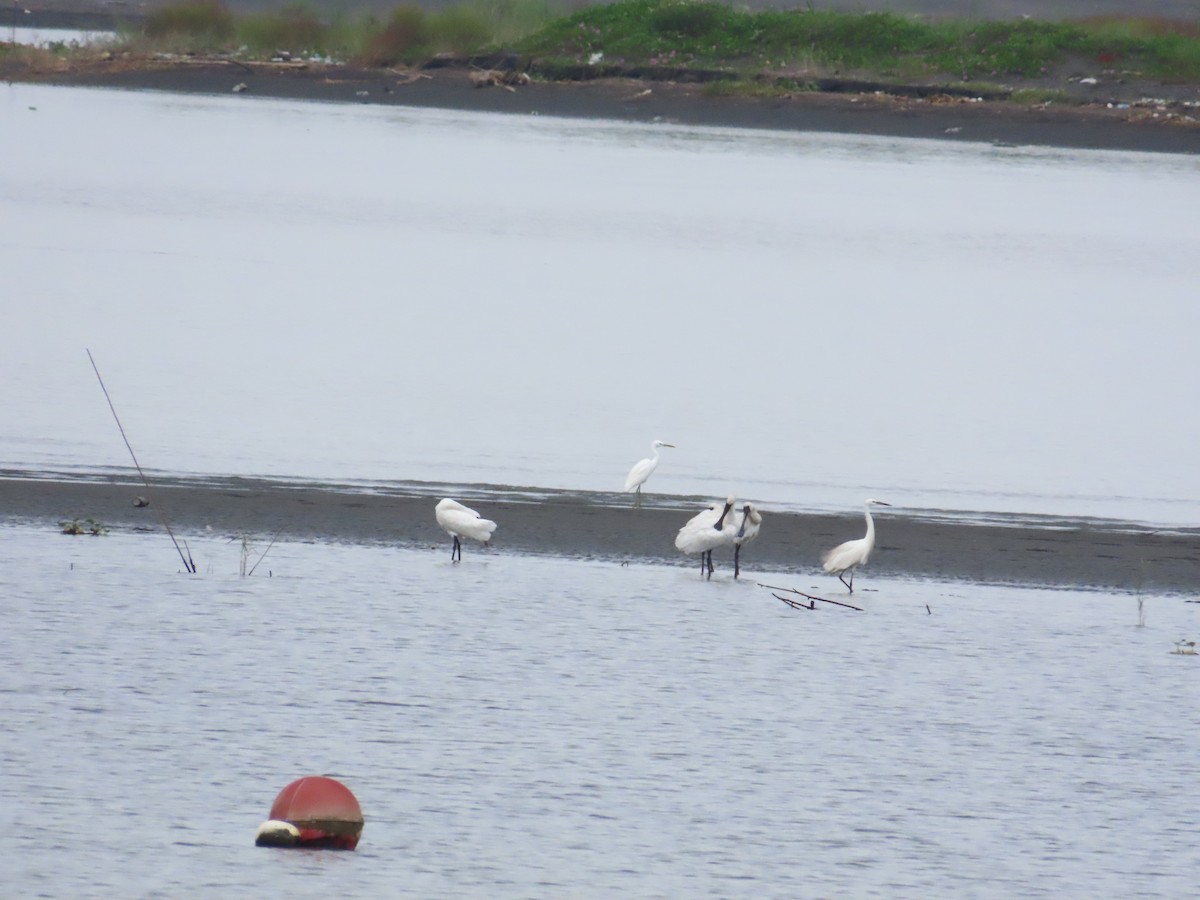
pixel 295 29
pixel 206 20
pixel 713 34
pixel 408 34
pixel 799 44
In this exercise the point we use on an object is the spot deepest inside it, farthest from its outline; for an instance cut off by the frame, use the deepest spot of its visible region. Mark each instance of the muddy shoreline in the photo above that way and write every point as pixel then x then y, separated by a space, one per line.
pixel 1087 554
pixel 1095 126
pixel 1111 110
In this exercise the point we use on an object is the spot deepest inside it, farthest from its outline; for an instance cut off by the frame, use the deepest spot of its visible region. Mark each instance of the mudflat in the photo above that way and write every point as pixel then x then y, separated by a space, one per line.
pixel 1045 552
pixel 1109 125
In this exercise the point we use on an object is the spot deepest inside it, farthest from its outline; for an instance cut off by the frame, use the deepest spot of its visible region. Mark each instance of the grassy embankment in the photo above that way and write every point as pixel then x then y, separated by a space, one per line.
pixel 784 50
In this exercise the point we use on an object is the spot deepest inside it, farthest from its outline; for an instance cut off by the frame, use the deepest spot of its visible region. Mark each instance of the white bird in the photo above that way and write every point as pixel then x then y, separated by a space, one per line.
pixel 460 521
pixel 852 554
pixel 642 470
pixel 747 532
pixel 707 530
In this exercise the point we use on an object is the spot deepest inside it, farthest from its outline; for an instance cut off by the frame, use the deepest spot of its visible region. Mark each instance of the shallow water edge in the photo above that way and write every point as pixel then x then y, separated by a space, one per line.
pixel 1091 554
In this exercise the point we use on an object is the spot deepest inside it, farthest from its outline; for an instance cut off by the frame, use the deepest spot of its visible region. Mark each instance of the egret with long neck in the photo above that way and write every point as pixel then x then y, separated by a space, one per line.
pixel 642 470
pixel 849 556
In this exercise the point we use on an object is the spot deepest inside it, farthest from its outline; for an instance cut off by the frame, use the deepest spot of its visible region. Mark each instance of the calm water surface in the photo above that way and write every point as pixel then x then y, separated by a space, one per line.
pixel 352 292
pixel 518 727
pixel 360 293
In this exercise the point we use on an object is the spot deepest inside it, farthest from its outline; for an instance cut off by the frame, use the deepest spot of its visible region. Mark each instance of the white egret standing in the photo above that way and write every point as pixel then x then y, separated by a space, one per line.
pixel 747 531
pixel 460 521
pixel 706 531
pixel 642 470
pixel 852 554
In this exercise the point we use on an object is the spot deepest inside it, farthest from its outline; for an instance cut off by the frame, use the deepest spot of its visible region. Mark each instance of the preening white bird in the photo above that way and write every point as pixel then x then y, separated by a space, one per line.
pixel 750 523
pixel 642 470
pixel 852 554
pixel 708 529
pixel 460 521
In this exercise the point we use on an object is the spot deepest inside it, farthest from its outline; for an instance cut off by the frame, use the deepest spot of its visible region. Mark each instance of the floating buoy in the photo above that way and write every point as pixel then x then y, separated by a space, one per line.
pixel 313 811
pixel 273 833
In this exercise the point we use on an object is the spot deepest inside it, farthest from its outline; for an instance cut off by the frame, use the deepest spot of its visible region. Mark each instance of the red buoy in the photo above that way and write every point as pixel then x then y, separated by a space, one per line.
pixel 313 811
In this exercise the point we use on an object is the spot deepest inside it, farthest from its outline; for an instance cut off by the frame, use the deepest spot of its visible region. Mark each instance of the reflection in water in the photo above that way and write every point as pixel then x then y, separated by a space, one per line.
pixel 361 293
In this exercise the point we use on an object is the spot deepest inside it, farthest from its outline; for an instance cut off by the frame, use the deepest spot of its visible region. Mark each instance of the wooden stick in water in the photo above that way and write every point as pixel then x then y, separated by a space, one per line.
pixel 810 596
pixel 793 603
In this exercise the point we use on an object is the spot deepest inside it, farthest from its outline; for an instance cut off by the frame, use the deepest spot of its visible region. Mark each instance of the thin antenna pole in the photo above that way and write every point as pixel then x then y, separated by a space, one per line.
pixel 187 562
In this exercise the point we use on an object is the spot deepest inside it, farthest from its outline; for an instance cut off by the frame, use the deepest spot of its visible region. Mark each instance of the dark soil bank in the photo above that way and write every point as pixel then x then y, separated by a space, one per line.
pixel 944 118
pixel 1077 554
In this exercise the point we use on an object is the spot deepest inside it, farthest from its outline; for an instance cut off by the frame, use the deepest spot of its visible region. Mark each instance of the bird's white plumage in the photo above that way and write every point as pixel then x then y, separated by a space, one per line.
pixel 644 468
pixel 852 554
pixel 749 523
pixel 708 529
pixel 463 522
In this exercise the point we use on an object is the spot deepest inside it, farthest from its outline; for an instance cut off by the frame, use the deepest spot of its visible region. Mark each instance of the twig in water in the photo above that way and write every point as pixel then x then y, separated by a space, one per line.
pixel 810 596
pixel 264 553
pixel 187 560
pixel 793 603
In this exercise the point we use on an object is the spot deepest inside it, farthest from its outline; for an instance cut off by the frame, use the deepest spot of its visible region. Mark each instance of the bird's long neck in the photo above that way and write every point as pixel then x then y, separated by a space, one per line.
pixel 653 455
pixel 870 538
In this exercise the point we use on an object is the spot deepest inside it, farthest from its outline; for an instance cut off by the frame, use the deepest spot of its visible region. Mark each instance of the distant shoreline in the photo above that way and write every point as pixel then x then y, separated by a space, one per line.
pixel 662 102
pixel 1084 554
pixel 1117 114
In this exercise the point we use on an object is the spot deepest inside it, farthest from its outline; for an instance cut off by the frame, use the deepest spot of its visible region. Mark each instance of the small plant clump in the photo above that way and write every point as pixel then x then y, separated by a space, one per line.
pixel 404 38
pixel 200 19
pixel 84 526
pixel 294 30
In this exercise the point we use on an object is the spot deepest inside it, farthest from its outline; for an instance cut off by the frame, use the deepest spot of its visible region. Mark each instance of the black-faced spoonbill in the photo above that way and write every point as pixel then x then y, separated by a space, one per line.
pixel 707 530
pixel 751 522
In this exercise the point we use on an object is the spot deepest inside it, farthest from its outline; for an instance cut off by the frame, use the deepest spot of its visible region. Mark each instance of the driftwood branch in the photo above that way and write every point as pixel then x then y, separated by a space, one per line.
pixel 408 77
pixel 234 62
pixel 773 587
pixel 794 604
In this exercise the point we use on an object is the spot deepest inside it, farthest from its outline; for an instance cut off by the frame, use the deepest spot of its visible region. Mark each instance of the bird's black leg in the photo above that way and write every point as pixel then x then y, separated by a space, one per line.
pixel 849 584
pixel 710 565
pixel 456 548
pixel 737 552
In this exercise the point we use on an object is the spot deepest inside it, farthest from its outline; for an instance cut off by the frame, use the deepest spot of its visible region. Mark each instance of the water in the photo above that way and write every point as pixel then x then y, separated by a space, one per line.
pixel 518 726
pixel 349 292
pixel 367 294
pixel 48 37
